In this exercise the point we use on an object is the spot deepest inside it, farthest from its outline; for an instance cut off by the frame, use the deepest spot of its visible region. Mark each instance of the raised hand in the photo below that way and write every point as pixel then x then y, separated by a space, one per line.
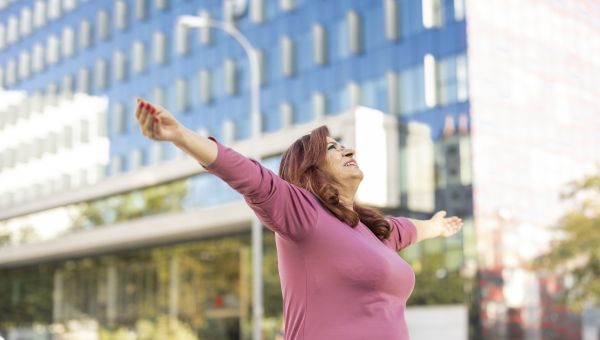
pixel 156 122
pixel 446 226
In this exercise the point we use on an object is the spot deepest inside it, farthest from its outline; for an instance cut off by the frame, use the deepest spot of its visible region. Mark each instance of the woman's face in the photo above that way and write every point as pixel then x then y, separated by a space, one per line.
pixel 340 162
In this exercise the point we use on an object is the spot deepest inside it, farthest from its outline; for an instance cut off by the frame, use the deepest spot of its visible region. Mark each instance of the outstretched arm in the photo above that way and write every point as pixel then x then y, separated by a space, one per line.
pixel 158 124
pixel 438 225
pixel 284 208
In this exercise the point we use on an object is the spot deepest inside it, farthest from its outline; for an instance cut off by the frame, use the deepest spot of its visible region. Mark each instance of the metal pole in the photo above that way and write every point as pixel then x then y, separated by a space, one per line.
pixel 256 124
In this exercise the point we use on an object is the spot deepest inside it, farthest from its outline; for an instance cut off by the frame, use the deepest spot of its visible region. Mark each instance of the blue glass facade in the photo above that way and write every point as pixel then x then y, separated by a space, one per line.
pixel 377 56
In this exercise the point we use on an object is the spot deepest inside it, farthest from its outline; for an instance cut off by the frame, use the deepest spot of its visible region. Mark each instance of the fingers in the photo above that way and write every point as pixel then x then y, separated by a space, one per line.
pixel 138 109
pixel 145 114
pixel 145 118
pixel 452 225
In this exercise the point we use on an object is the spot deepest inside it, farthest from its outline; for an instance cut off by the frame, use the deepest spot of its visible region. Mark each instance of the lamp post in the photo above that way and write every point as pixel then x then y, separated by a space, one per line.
pixel 257 251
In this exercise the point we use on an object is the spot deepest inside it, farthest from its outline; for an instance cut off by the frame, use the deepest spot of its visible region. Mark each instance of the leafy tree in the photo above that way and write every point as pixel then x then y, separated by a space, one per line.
pixel 575 251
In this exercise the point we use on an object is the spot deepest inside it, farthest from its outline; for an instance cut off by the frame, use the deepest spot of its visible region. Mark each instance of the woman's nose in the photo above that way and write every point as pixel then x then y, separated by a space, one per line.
pixel 348 152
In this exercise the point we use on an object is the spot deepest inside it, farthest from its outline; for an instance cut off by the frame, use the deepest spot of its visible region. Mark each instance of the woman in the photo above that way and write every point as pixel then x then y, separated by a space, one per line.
pixel 341 276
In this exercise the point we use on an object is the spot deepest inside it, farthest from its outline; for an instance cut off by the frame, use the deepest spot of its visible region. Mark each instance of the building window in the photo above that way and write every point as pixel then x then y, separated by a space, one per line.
pixel 121 15
pixel 340 40
pixel 39 14
pixel 459 10
pixel 136 160
pixel 182 98
pixel 354 94
pixel 462 78
pixel 391 19
pixel 287 56
pixel 51 142
pixel 70 4
pixel 2 37
pixel 24 65
pixel 392 92
pixel 119 122
pixel 101 74
pixel 433 14
pixel 25 21
pixel 411 87
pixel 139 57
pixel 160 47
pixel 262 67
pixel 205 33
pixel 54 9
pixel 117 165
pixel 228 131
pixel 156 153
pixel 161 4
pixel 102 24
pixel 84 131
pixel 159 96
pixel 319 44
pixel 83 81
pixel 38 58
pixel 231 73
pixel 52 51
pixel 374 93
pixel 319 105
pixel 287 5
pixel 430 73
pixel 67 85
pixel 447 81
pixel 257 10
pixel 11 72
pixel 85 34
pixel 354 32
pixel 12 34
pixel 286 110
pixel 51 90
pixel 101 124
pixel 119 65
pixel 181 40
pixel 141 9
pixel 205 86
pixel 68 42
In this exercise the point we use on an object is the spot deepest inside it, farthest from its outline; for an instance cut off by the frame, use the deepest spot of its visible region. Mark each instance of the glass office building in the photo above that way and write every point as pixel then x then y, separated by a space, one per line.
pixel 105 234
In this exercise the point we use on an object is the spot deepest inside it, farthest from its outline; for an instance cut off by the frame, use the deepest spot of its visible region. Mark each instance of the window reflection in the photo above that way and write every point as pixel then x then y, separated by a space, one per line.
pixel 176 196
pixel 195 290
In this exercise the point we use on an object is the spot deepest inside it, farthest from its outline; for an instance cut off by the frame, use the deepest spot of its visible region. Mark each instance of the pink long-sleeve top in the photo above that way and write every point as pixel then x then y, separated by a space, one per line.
pixel 337 282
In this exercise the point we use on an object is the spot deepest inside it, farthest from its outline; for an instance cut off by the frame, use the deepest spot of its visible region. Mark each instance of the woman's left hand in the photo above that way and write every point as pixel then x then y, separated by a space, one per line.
pixel 445 226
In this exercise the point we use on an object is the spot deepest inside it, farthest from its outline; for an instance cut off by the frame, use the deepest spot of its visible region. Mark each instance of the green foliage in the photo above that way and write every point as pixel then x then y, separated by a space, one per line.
pixel 131 205
pixel 434 285
pixel 576 250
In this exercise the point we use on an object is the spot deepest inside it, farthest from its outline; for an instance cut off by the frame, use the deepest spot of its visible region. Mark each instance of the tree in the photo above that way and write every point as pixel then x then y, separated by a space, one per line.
pixel 576 249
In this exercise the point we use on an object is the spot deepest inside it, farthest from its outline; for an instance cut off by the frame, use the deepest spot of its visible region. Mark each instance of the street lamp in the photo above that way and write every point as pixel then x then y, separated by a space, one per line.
pixel 257 251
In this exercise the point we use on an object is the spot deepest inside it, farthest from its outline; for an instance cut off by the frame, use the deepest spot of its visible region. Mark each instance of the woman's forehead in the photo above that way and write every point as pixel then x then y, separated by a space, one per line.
pixel 331 140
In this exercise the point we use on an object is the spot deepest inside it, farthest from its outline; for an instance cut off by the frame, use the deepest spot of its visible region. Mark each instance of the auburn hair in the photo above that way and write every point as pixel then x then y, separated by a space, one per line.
pixel 301 165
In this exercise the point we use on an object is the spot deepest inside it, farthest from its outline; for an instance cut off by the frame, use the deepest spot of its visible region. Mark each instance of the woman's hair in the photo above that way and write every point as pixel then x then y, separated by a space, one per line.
pixel 301 165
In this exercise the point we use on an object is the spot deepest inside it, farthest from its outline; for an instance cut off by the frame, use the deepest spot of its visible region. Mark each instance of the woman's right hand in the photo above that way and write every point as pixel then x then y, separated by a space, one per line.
pixel 156 122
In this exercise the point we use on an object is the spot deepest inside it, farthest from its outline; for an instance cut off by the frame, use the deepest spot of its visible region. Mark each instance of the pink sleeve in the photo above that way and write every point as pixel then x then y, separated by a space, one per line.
pixel 404 233
pixel 282 207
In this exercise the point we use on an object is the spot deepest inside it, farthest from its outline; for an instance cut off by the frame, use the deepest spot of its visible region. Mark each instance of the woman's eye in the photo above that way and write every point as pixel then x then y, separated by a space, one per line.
pixel 331 147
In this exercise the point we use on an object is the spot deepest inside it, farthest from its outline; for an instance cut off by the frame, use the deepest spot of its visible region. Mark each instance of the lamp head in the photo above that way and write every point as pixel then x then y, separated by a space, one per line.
pixel 192 21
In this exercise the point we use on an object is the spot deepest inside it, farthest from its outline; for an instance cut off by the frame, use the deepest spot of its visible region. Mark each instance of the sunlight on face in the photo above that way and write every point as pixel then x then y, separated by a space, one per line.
pixel 340 162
